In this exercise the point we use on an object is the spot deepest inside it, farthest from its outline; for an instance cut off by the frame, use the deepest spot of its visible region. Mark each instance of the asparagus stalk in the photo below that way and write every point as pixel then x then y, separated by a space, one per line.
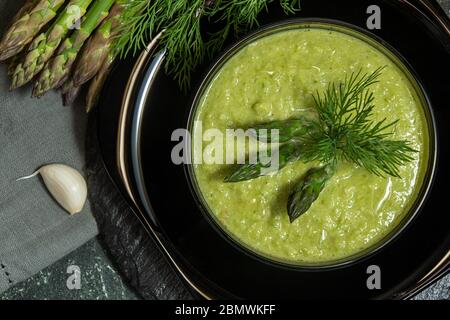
pixel 33 16
pixel 45 44
pixel 98 47
pixel 70 92
pixel 12 64
pixel 13 61
pixel 288 152
pixel 308 190
pixel 25 9
pixel 57 69
pixel 97 82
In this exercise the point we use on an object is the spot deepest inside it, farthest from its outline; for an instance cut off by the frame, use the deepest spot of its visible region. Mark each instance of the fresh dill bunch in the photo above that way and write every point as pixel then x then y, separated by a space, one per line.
pixel 180 22
pixel 239 13
pixel 236 16
pixel 344 129
pixel 186 43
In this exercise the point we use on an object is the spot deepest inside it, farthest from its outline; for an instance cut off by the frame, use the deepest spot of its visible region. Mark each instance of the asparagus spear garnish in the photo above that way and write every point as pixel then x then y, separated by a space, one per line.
pixel 97 82
pixel 308 190
pixel 97 48
pixel 288 152
pixel 45 44
pixel 287 130
pixel 33 16
pixel 57 69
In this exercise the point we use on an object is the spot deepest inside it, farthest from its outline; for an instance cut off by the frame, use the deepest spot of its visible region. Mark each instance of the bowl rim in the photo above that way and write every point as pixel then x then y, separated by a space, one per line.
pixel 378 44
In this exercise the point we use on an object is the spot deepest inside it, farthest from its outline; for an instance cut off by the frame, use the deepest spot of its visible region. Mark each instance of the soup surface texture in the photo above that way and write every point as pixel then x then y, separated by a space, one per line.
pixel 273 78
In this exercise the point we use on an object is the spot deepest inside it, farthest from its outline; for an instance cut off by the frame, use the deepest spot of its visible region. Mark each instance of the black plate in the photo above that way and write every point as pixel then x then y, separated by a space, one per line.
pixel 221 270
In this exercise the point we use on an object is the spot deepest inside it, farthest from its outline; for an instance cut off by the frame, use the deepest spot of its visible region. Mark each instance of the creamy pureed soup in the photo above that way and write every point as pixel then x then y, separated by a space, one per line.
pixel 274 78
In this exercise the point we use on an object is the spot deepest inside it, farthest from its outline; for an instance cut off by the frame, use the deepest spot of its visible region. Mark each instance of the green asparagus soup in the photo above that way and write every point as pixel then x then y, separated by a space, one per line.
pixel 274 78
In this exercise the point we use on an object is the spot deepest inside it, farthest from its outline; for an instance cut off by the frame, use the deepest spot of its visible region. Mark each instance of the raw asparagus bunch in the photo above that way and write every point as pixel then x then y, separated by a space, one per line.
pixel 57 69
pixel 64 44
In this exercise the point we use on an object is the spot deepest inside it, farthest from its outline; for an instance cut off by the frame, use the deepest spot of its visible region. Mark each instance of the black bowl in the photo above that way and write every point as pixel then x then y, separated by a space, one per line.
pixel 374 42
pixel 159 190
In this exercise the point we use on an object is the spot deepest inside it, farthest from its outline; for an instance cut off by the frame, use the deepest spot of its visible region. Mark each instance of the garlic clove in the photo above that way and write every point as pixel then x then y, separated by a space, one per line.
pixel 66 185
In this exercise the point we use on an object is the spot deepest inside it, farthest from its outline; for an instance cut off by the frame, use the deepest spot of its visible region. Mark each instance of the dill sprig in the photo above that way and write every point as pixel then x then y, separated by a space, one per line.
pixel 236 16
pixel 239 16
pixel 186 43
pixel 143 19
pixel 345 130
pixel 342 129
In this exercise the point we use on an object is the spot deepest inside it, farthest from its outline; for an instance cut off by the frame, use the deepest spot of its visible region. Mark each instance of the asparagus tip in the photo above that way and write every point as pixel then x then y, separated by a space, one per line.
pixel 89 107
pixel 77 81
pixel 3 57
pixel 19 78
pixel 65 100
pixel 70 95
pixel 38 90
pixel 14 85
pixel 3 53
pixel 7 53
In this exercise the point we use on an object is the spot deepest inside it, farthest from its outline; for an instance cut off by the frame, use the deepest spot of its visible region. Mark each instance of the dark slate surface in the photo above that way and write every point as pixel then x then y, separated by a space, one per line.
pixel 99 279
pixel 135 253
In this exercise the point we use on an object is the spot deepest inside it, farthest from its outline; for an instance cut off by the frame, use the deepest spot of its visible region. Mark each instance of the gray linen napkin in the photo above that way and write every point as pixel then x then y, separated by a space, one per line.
pixel 34 230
